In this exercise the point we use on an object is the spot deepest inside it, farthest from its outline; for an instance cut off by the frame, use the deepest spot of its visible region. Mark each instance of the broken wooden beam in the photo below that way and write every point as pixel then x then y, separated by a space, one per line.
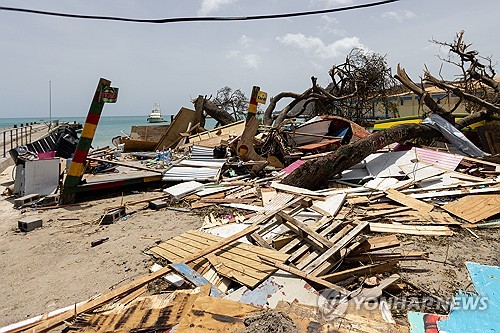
pixel 304 231
pixel 418 230
pixel 383 267
pixel 315 267
pixel 408 201
pixel 306 276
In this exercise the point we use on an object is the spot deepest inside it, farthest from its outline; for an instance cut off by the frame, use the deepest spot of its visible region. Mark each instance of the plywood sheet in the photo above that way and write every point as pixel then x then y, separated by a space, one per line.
pixel 234 129
pixel 178 126
pixel 157 312
pixel 148 133
pixel 210 314
pixel 474 208
pixel 331 205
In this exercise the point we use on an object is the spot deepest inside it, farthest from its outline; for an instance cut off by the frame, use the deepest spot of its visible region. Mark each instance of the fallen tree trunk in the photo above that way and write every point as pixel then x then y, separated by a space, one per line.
pixel 222 116
pixel 314 173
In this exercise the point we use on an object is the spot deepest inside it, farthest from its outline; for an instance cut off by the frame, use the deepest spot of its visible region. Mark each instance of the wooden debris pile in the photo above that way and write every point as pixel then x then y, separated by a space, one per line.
pixel 269 250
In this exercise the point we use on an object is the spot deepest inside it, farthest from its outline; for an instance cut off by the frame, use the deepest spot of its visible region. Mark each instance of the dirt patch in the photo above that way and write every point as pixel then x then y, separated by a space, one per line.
pixel 269 321
pixel 445 273
pixel 56 266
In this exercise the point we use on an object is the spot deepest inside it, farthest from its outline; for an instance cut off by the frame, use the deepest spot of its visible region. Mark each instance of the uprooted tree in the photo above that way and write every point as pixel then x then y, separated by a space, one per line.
pixel 363 79
pixel 227 106
pixel 475 86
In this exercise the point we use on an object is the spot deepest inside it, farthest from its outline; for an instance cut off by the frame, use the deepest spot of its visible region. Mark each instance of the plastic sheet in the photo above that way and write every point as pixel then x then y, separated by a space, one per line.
pixel 453 135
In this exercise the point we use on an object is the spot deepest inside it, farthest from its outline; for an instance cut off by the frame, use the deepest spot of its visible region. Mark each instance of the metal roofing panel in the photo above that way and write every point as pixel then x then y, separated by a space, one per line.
pixel 442 160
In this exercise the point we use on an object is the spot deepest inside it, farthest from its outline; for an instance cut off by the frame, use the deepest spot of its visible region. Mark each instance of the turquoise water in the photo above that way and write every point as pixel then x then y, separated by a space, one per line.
pixel 108 127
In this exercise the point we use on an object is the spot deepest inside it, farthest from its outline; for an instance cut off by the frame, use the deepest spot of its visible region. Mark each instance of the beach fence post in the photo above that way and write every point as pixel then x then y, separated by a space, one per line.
pixel 76 168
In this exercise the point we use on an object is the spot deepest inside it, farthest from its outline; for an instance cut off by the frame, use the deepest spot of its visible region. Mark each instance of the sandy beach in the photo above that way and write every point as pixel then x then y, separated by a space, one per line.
pixel 55 266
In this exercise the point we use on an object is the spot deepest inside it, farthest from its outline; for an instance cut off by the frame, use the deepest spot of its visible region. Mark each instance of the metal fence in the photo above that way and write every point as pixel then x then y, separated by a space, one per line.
pixel 15 137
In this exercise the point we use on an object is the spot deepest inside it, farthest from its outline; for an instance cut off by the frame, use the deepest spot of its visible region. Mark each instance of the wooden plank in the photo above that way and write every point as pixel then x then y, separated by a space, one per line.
pixel 317 226
pixel 225 200
pixel 408 201
pixel 209 314
pixel 474 208
pixel 388 256
pixel 411 229
pixel 307 277
pixel 304 232
pixel 378 243
pixel 279 203
pixel 382 267
pixel 295 190
pixel 305 247
pixel 240 252
pixel 136 284
pixel 311 268
pixel 371 215
pixel 234 129
pixel 260 241
pixel 314 254
pixel 267 195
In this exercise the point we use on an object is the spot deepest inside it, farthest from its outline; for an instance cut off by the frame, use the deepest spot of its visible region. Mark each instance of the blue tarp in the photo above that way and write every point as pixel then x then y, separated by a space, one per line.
pixel 478 313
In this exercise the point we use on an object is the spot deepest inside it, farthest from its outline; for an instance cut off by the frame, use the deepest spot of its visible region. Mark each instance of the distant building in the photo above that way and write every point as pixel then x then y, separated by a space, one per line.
pixel 408 104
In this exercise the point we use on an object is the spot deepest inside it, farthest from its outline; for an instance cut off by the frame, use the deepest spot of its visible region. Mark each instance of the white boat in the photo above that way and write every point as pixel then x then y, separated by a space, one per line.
pixel 155 116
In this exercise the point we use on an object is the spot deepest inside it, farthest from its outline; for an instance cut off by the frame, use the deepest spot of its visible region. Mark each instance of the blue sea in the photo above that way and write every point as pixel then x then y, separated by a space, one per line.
pixel 108 127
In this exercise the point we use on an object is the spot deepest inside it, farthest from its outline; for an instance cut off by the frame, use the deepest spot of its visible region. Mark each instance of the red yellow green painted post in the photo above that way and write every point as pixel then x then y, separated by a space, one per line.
pixel 245 147
pixel 77 166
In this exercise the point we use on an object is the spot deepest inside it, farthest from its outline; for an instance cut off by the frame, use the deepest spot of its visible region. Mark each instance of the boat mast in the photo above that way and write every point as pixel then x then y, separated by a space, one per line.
pixel 50 105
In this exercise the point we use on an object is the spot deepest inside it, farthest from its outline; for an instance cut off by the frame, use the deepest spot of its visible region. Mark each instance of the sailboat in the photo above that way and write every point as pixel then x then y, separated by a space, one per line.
pixel 155 116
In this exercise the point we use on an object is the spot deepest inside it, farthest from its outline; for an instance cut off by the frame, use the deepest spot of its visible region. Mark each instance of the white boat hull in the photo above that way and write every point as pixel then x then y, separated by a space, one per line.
pixel 156 120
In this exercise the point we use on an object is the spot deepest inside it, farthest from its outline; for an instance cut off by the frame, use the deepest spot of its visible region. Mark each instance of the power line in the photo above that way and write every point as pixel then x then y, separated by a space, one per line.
pixel 198 19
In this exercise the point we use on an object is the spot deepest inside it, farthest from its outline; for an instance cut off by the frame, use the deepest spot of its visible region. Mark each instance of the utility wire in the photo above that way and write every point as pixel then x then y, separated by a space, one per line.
pixel 198 19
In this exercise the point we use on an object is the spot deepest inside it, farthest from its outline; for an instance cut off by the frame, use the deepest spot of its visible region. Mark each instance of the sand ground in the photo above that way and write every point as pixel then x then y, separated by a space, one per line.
pixel 55 266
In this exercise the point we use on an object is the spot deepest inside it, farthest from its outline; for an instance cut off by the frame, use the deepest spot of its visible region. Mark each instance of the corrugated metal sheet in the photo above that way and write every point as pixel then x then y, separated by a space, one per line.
pixel 200 167
pixel 179 173
pixel 439 159
pixel 200 153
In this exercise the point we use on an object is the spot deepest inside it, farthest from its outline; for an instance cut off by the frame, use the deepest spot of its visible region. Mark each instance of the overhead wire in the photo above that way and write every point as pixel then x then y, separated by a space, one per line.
pixel 198 18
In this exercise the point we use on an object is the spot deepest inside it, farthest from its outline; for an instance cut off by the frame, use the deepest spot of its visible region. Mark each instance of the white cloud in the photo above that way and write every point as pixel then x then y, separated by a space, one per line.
pixel 233 54
pixel 245 41
pixel 252 61
pixel 208 6
pixel 400 15
pixel 331 25
pixel 316 47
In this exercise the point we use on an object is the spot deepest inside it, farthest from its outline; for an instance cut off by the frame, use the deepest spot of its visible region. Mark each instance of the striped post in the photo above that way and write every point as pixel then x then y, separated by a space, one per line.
pixel 77 166
pixel 245 147
pixel 252 107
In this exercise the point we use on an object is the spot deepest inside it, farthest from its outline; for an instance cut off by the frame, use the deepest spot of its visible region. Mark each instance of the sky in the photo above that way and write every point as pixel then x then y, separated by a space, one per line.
pixel 175 62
